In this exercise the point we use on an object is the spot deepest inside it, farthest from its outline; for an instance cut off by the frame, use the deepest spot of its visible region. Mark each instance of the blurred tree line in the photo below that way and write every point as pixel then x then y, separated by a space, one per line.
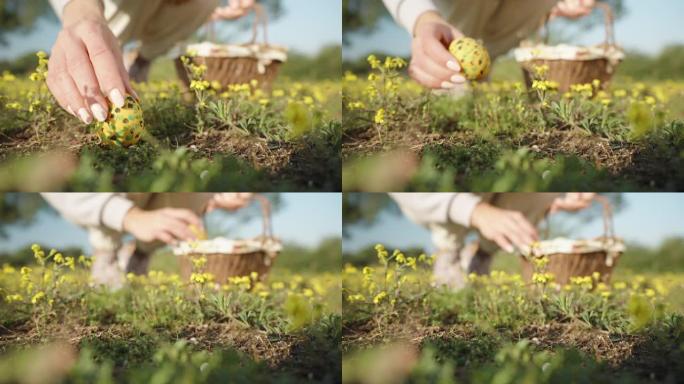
pixel 361 210
pixel 21 16
pixel 363 16
pixel 19 209
pixel 326 65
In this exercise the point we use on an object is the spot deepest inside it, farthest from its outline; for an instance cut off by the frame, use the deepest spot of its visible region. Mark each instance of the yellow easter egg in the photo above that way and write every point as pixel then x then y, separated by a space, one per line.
pixel 124 126
pixel 472 57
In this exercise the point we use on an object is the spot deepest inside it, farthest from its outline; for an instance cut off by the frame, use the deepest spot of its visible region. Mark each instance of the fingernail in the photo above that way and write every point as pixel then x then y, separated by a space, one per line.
pixel 85 116
pixel 458 79
pixel 99 112
pixel 116 98
pixel 448 85
pixel 453 66
pixel 509 249
pixel 70 110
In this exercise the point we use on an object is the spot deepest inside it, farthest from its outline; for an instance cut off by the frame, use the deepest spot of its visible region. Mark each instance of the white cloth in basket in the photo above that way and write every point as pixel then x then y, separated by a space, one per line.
pixel 223 245
pixel 264 54
pixel 612 246
pixel 568 52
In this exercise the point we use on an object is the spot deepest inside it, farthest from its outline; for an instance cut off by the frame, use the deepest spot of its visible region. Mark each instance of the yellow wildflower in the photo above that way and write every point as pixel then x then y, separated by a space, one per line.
pixel 541 70
pixel 37 297
pixel 350 77
pixel 199 262
pixel 355 298
pixel 379 297
pixel 380 116
pixel 14 298
pixel 374 62
pixel 620 93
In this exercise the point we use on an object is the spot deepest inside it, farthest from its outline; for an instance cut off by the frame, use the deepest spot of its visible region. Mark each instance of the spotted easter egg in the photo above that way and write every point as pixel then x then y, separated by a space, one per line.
pixel 124 126
pixel 472 57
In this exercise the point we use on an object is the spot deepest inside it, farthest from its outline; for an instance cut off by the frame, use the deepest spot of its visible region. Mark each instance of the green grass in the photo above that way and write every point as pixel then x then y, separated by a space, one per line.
pixel 283 138
pixel 502 329
pixel 502 136
pixel 162 329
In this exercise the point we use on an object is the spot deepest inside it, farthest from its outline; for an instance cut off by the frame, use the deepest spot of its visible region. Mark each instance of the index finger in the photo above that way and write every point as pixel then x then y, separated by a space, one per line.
pixel 108 68
pixel 526 226
pixel 437 52
pixel 185 215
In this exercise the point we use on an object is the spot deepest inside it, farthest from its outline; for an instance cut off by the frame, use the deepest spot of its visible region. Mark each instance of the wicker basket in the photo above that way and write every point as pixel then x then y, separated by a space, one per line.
pixel 571 258
pixel 238 64
pixel 243 258
pixel 570 65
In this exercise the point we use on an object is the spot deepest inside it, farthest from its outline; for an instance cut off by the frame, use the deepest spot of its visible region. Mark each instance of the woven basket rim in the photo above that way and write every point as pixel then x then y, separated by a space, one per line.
pixel 227 254
pixel 268 240
pixel 246 45
pixel 583 61
pixel 256 51
pixel 612 240
pixel 580 254
pixel 237 57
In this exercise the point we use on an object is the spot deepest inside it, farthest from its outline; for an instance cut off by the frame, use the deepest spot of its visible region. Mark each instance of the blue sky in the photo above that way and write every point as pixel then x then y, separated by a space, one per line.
pixel 647 219
pixel 305 219
pixel 648 27
pixel 306 26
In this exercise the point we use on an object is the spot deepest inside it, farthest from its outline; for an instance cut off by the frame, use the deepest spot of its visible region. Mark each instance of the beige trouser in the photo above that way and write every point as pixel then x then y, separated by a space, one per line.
pixel 157 24
pixel 500 24
pixel 112 257
pixel 455 259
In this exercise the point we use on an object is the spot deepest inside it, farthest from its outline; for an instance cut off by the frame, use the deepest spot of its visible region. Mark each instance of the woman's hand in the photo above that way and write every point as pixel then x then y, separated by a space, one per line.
pixel 86 64
pixel 168 225
pixel 431 63
pixel 573 9
pixel 234 10
pixel 229 201
pixel 572 202
pixel 506 228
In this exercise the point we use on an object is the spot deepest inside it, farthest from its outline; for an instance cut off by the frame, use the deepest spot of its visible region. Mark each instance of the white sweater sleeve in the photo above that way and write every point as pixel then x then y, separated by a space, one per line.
pixel 441 208
pixel 406 12
pixel 91 209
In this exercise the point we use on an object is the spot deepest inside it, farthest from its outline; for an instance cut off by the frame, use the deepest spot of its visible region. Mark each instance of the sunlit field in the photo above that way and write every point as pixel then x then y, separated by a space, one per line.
pixel 203 137
pixel 160 328
pixel 506 136
pixel 398 327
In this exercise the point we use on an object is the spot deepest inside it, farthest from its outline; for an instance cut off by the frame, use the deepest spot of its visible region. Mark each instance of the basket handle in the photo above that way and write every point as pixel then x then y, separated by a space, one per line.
pixel 260 18
pixel 267 229
pixel 607 213
pixel 609 21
